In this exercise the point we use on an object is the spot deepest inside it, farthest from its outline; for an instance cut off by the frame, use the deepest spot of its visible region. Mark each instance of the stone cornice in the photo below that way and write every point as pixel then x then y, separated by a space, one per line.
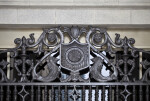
pixel 112 26
pixel 78 3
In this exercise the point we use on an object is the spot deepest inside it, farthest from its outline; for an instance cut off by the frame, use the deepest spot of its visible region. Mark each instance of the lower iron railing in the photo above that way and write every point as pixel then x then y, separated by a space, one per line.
pixel 75 91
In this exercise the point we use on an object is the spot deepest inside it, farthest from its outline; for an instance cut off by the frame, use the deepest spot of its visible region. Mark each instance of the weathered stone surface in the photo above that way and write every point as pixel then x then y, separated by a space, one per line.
pixel 112 17
pixel 43 13
pixel 140 17
pixel 74 15
pixel 8 16
pixel 36 16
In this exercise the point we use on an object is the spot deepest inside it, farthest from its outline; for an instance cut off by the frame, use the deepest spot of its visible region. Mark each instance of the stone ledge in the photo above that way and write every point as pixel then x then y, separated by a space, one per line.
pixel 78 3
pixel 112 26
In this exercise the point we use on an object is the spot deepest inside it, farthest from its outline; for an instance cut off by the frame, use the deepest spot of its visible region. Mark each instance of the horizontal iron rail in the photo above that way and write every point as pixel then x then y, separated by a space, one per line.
pixel 78 83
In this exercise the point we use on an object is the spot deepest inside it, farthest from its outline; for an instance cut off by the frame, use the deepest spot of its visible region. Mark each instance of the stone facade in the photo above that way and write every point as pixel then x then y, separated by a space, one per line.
pixel 101 12
pixel 125 16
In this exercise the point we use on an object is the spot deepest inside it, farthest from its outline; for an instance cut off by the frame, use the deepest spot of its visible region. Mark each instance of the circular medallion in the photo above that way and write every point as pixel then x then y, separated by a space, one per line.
pixel 51 37
pixel 74 55
pixel 97 38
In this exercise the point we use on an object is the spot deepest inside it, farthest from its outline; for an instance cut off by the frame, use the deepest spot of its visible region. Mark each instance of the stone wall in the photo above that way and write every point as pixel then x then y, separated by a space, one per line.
pixel 100 12
pixel 22 17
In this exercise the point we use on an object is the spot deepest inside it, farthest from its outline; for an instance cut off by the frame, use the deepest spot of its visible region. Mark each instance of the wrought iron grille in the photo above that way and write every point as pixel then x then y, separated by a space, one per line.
pixel 74 69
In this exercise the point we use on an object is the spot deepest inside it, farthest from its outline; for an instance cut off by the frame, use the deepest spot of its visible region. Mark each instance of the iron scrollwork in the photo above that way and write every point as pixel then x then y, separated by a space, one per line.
pixel 4 64
pixel 74 56
pixel 145 64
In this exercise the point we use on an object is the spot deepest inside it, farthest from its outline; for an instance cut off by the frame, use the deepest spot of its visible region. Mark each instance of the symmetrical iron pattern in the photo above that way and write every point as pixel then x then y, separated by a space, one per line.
pixel 74 69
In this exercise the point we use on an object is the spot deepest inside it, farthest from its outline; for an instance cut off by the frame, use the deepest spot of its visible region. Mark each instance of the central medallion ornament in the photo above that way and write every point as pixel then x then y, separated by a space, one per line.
pixel 74 56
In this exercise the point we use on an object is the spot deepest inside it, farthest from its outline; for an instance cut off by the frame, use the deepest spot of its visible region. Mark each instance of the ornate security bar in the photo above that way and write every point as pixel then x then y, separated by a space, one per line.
pixel 75 70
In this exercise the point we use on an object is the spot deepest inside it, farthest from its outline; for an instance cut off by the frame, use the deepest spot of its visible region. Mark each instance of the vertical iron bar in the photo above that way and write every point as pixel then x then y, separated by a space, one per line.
pixel 66 93
pixel 110 93
pixel 23 58
pixel 45 93
pixel 52 94
pixel 59 93
pixel 15 93
pixel 117 93
pixel 49 95
pixel 96 94
pixel 83 93
pixel 90 93
pixel 32 93
pixel 147 93
pixel 8 93
pixel 125 61
pixel 140 93
pixel 1 93
pixel 103 93
pixel 134 93
pixel 39 93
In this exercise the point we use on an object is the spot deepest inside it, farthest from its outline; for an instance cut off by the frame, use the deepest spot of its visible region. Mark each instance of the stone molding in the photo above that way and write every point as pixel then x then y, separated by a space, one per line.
pixel 76 3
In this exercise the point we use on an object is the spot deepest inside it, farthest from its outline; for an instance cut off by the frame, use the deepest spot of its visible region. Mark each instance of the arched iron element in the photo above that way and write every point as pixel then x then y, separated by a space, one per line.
pixel 51 61
pixel 98 61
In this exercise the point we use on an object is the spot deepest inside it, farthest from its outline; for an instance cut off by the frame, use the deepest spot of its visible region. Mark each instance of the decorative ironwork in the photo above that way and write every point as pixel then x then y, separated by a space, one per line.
pixel 75 94
pixel 4 64
pixel 23 93
pixel 147 72
pixel 125 93
pixel 74 60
